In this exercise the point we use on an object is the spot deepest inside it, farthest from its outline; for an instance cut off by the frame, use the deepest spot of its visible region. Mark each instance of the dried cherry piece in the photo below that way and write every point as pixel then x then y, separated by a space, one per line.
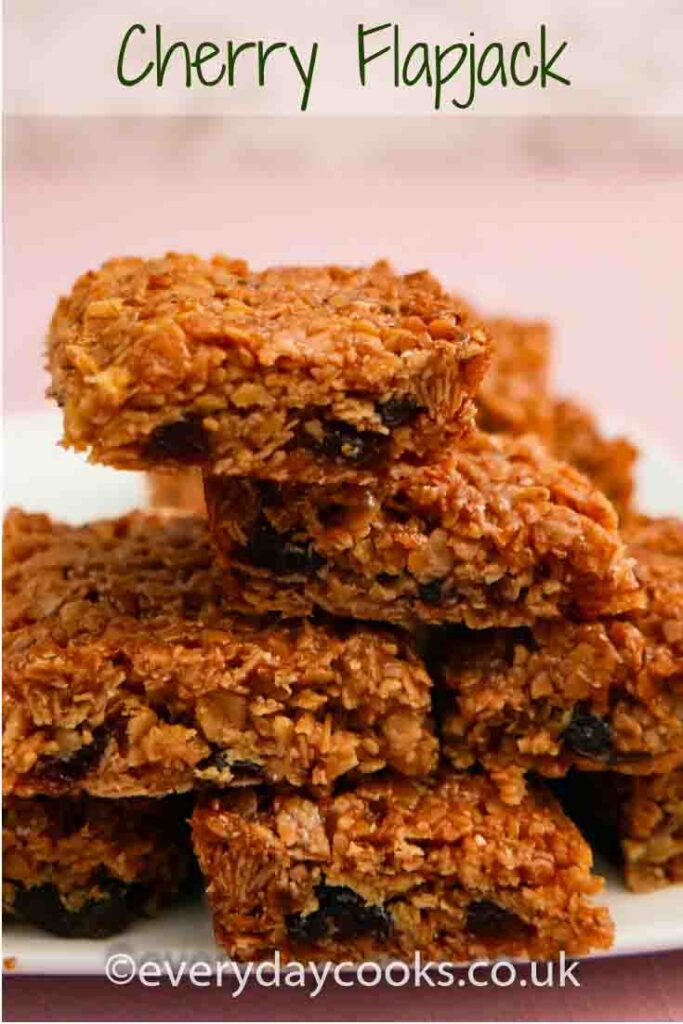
pixel 70 768
pixel 396 411
pixel 277 552
pixel 307 927
pixel 341 913
pixel 345 442
pixel 222 762
pixel 589 735
pixel 42 905
pixel 183 441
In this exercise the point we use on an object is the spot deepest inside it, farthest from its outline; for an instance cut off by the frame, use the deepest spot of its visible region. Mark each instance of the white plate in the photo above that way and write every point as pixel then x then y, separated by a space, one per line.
pixel 41 477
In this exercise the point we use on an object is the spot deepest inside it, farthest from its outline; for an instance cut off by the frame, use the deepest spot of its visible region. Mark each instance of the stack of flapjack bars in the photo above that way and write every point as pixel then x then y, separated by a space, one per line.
pixel 421 594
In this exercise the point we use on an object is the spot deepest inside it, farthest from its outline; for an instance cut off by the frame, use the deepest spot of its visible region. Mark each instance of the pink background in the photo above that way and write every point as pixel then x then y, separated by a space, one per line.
pixel 581 224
